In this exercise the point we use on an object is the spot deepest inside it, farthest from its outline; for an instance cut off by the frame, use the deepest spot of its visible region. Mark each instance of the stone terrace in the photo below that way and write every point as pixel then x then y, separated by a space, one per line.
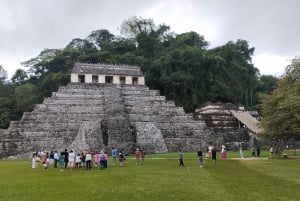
pixel 97 116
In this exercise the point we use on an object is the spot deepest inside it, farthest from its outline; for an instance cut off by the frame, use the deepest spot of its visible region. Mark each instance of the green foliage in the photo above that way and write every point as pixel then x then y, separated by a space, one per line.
pixel 7 104
pixel 281 108
pixel 19 76
pixel 26 97
pixel 155 179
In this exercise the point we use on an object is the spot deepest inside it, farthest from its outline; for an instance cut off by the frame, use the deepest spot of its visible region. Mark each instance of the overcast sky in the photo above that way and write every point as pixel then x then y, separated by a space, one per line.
pixel 271 26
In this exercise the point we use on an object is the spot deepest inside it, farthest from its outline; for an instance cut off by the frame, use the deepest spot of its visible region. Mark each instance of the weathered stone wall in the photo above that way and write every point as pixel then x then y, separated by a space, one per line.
pixel 227 129
pixel 97 116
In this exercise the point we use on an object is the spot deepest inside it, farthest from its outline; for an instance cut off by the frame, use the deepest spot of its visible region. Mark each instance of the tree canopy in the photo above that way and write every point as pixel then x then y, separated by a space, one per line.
pixel 281 108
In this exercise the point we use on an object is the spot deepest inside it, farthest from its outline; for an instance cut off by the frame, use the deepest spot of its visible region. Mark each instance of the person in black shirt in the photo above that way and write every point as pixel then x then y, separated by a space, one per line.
pixel 214 155
pixel 66 153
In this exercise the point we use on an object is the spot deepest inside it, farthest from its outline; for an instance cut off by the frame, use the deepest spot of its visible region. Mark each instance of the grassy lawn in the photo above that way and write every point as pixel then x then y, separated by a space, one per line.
pixel 156 179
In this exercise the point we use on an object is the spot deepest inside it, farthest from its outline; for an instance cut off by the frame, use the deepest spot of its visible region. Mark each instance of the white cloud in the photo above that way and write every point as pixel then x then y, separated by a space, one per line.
pixel 269 64
pixel 272 27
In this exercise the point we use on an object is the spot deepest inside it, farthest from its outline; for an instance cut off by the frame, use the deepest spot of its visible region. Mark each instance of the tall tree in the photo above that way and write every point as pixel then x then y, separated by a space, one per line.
pixel 281 109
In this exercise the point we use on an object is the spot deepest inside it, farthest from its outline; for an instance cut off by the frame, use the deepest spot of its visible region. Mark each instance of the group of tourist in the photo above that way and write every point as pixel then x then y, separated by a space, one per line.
pixel 84 160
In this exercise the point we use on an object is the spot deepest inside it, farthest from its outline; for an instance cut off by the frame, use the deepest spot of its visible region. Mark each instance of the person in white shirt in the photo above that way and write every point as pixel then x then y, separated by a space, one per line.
pixel 71 159
pixel 56 158
pixel 77 161
pixel 88 160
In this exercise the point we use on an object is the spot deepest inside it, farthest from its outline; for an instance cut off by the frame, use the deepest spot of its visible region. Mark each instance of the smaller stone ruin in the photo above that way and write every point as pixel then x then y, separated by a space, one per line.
pixel 232 125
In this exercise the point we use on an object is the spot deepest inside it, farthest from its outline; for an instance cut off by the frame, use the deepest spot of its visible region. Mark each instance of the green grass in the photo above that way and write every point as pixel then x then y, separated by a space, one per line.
pixel 156 179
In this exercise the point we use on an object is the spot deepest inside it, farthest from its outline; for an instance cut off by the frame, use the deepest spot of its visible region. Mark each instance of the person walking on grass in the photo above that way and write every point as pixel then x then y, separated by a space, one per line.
pixel 223 153
pixel 180 158
pixel 200 158
pixel 214 155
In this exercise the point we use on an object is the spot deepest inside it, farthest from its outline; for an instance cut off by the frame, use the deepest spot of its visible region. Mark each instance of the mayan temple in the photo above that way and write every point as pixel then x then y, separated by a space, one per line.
pixel 104 106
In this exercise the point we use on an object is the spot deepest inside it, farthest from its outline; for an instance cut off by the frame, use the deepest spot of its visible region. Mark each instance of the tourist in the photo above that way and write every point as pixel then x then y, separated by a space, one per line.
pixel 180 156
pixel 77 161
pixel 200 158
pixel 66 158
pixel 105 159
pixel 114 155
pixel 96 159
pixel 51 158
pixel 124 155
pixel 241 152
pixel 61 160
pixel 121 159
pixel 82 157
pixel 56 158
pixel 34 161
pixel 224 153
pixel 209 153
pixel 71 159
pixel 45 156
pixel 88 160
pixel 214 155
pixel 258 151
pixel 102 160
pixel 137 157
pixel 271 151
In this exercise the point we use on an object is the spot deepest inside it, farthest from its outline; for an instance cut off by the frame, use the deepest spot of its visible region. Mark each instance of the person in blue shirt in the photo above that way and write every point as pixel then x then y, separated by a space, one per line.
pixel 114 155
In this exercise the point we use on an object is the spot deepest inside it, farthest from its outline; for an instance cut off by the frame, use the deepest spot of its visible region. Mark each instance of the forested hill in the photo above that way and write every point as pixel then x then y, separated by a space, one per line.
pixel 181 66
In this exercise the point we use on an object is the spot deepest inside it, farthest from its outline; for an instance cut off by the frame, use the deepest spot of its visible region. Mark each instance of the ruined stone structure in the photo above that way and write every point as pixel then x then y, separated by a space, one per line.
pixel 232 125
pixel 102 107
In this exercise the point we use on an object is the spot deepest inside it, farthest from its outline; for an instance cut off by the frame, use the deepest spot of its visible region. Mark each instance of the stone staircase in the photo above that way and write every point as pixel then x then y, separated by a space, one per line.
pixel 159 125
pixel 221 119
pixel 97 116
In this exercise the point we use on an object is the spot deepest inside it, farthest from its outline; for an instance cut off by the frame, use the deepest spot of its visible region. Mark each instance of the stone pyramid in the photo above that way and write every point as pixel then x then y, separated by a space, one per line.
pixel 94 116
